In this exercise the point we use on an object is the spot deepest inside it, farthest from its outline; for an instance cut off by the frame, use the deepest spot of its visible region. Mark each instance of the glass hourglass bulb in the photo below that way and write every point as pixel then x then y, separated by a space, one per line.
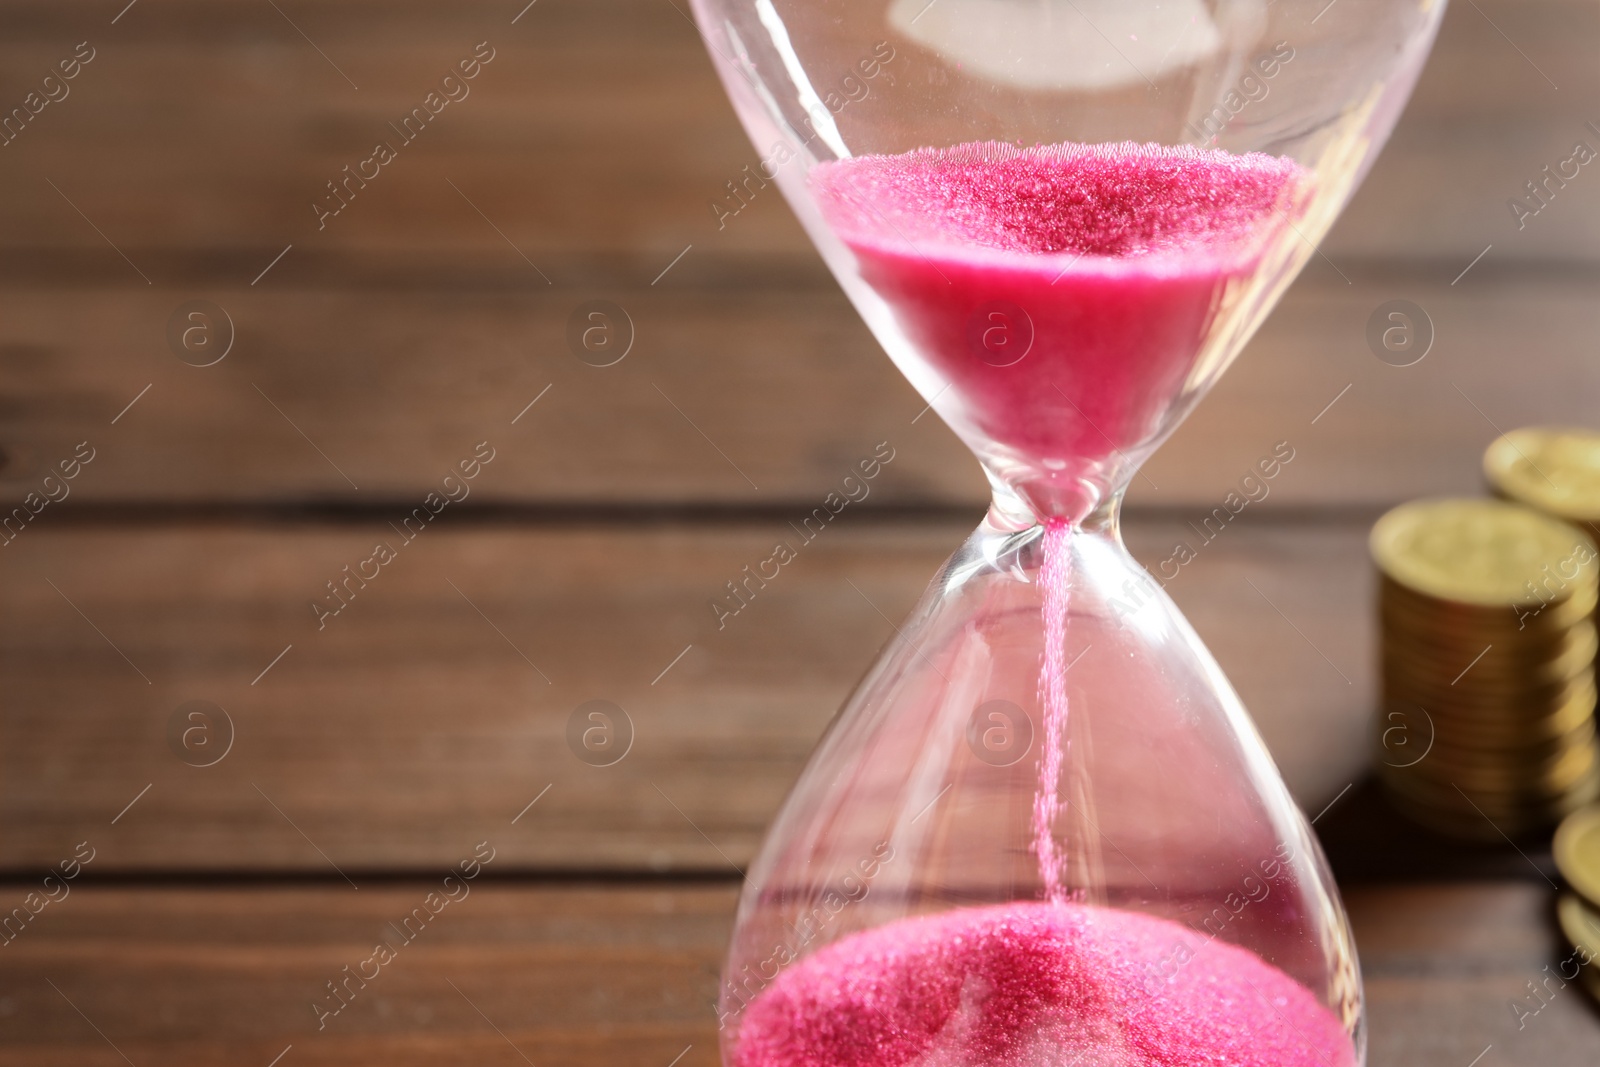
pixel 1043 830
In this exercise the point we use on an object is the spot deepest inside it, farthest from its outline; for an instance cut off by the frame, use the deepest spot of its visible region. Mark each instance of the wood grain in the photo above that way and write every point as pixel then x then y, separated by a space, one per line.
pixel 761 397
pixel 1444 964
pixel 554 976
pixel 425 317
pixel 580 975
pixel 421 716
pixel 600 127
pixel 1507 352
pixel 1506 92
pixel 431 713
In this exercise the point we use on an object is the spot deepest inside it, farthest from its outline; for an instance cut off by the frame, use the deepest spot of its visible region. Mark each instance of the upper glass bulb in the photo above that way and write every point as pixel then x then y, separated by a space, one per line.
pixel 1063 218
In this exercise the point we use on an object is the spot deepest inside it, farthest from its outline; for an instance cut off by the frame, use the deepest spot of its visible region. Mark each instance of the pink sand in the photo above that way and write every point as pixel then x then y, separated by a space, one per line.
pixel 1036 984
pixel 1118 253
pixel 1055 581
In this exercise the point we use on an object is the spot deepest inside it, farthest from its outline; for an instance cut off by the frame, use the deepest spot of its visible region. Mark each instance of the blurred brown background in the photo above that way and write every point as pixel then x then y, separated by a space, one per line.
pixel 371 356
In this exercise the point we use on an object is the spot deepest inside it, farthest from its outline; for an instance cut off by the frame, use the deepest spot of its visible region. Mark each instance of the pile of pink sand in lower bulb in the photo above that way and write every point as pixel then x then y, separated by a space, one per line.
pixel 1035 984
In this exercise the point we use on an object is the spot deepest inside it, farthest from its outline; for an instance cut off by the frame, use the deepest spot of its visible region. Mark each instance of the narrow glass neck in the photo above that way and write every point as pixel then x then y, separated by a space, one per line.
pixel 1091 512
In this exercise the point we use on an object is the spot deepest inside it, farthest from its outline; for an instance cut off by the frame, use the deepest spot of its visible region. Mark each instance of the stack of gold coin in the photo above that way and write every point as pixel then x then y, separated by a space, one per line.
pixel 1486 726
pixel 1553 470
pixel 1577 852
pixel 1550 469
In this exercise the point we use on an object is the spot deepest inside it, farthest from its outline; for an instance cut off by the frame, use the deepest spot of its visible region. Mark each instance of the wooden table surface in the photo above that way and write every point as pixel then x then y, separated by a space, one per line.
pixel 363 754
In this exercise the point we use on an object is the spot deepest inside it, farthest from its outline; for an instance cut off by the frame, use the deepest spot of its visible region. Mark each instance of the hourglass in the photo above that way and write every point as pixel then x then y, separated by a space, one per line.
pixel 1043 830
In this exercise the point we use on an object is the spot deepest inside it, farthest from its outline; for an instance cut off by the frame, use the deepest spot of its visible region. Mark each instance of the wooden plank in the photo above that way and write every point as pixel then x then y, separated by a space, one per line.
pixel 748 398
pixel 423 712
pixel 573 976
pixel 777 387
pixel 563 976
pixel 601 127
pixel 1506 352
pixel 1506 92
pixel 1444 966
pixel 594 127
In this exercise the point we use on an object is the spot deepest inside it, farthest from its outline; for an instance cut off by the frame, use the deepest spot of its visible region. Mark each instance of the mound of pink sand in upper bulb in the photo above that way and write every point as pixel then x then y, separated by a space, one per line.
pixel 1118 201
pixel 1118 257
pixel 1021 985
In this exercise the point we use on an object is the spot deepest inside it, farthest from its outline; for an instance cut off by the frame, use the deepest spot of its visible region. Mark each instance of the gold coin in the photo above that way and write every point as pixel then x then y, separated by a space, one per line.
pixel 1514 702
pixel 1542 619
pixel 1486 675
pixel 1489 704
pixel 1460 747
pixel 1554 469
pixel 1451 636
pixel 1417 723
pixel 1466 656
pixel 1502 722
pixel 1434 784
pixel 1456 744
pixel 1463 646
pixel 1577 850
pixel 1527 708
pixel 1486 553
pixel 1580 922
pixel 1554 659
pixel 1552 778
